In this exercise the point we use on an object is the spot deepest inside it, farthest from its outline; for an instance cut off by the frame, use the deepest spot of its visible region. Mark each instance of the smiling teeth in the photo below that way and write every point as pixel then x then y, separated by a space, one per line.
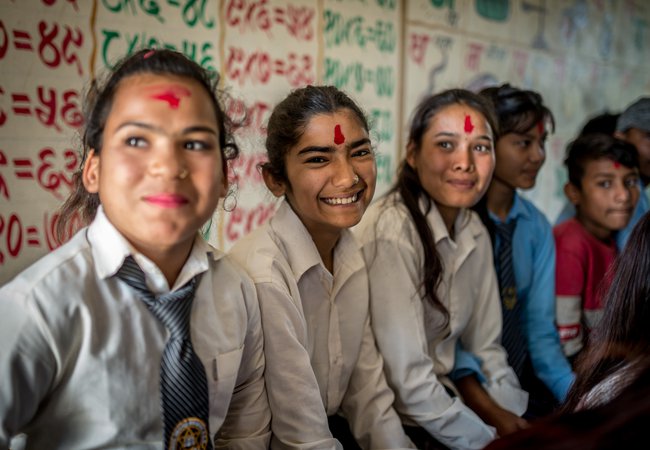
pixel 341 201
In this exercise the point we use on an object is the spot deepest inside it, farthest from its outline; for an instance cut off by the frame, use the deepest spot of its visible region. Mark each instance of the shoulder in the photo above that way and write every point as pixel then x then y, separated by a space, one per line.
pixel 257 252
pixel 570 236
pixel 387 218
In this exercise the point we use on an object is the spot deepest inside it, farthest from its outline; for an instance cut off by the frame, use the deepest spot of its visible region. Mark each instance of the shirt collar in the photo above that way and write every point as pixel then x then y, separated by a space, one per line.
pixel 110 248
pixel 517 211
pixel 300 248
pixel 438 226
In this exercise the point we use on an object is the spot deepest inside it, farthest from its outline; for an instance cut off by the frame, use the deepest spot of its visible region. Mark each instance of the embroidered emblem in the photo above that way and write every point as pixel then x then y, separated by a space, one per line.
pixel 189 434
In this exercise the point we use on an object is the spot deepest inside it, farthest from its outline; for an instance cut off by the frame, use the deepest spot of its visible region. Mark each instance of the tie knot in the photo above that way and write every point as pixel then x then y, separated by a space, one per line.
pixel 172 309
pixel 505 230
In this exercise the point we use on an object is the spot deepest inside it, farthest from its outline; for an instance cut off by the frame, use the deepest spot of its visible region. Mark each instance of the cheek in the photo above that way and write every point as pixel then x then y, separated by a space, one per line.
pixel 485 167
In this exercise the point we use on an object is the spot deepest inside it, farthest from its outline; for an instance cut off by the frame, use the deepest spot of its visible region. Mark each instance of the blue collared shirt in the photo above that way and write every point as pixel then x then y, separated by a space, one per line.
pixel 533 253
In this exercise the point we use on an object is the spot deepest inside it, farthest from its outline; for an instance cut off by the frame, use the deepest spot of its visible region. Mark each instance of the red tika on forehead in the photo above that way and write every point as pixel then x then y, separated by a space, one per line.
pixel 338 135
pixel 540 127
pixel 469 126
pixel 172 95
pixel 617 165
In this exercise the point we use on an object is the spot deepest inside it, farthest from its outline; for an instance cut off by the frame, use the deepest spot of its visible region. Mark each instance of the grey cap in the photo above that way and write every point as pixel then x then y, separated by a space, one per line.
pixel 637 115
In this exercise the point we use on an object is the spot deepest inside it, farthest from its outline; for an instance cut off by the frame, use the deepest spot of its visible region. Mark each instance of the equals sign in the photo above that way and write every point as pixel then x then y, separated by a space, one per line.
pixel 23 168
pixel 32 237
pixel 18 109
pixel 278 67
pixel 278 15
pixel 22 40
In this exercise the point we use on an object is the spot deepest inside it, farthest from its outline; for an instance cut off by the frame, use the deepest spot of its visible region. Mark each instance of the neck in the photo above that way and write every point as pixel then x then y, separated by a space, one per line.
pixel 449 216
pixel 170 261
pixel 500 198
pixel 325 243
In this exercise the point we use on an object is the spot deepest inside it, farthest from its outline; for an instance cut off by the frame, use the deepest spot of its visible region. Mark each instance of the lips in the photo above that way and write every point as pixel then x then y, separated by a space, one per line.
pixel 166 200
pixel 462 184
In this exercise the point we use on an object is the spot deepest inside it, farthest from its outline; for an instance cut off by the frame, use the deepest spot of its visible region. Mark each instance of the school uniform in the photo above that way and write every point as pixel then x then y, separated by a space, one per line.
pixel 418 349
pixel 320 352
pixel 81 353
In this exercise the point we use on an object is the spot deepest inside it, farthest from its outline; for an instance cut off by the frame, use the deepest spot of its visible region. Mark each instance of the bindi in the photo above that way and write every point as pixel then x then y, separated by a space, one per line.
pixel 617 165
pixel 540 127
pixel 338 135
pixel 469 126
pixel 170 94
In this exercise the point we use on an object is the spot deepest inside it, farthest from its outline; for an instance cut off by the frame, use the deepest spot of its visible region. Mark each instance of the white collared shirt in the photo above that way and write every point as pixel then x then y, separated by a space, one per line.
pixel 321 357
pixel 80 357
pixel 418 349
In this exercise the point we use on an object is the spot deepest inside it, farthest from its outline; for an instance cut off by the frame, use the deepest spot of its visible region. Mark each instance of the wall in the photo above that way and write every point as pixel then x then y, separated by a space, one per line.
pixel 583 56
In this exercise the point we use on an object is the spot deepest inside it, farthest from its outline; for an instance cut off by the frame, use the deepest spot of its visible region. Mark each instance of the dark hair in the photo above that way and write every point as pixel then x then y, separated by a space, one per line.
pixel 620 423
pixel 291 116
pixel 602 123
pixel 98 104
pixel 623 335
pixel 410 189
pixel 595 146
pixel 517 110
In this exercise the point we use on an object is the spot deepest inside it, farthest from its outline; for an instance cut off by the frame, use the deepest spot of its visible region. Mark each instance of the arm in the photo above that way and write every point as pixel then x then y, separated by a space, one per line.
pixel 28 365
pixel 247 424
pixel 368 401
pixel 482 333
pixel 397 319
pixel 549 362
pixel 570 279
pixel 478 399
pixel 299 420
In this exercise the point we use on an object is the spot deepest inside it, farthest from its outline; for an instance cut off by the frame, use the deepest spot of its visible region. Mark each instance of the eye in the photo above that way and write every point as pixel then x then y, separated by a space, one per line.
pixel 361 153
pixel 197 145
pixel 316 160
pixel 631 182
pixel 604 184
pixel 482 148
pixel 136 141
pixel 445 145
pixel 525 143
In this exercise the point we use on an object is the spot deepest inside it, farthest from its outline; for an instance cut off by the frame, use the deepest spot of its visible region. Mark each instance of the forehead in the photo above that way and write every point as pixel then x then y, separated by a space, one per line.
pixel 322 127
pixel 606 167
pixel 164 91
pixel 454 118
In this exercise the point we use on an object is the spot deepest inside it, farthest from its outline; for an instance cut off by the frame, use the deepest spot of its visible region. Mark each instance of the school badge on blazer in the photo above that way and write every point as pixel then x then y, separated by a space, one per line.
pixel 189 434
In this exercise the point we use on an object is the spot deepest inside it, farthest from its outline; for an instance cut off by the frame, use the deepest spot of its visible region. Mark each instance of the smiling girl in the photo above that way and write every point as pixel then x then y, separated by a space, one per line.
pixel 432 283
pixel 136 332
pixel 322 362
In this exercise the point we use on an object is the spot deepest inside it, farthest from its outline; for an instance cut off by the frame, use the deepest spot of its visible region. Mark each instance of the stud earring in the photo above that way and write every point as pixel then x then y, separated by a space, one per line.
pixel 356 178
pixel 183 174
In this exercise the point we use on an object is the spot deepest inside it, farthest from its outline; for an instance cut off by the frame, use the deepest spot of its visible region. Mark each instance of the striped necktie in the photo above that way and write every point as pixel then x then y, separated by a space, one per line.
pixel 512 338
pixel 183 383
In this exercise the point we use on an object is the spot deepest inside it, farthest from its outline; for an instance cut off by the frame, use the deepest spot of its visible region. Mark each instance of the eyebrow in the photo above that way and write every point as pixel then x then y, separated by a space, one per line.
pixel 450 134
pixel 157 129
pixel 329 149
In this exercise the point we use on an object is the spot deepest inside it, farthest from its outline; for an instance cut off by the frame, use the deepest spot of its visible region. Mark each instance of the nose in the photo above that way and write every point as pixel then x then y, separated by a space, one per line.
pixel 622 193
pixel 464 160
pixel 537 153
pixel 168 162
pixel 344 175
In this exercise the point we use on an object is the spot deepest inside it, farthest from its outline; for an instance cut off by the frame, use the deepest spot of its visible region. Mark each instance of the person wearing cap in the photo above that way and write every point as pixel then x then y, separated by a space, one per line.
pixel 632 126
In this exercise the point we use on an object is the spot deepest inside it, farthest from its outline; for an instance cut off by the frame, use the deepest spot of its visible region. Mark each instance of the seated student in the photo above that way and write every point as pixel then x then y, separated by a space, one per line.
pixel 432 282
pixel 524 249
pixel 136 332
pixel 603 187
pixel 609 404
pixel 633 126
pixel 312 283
pixel 618 347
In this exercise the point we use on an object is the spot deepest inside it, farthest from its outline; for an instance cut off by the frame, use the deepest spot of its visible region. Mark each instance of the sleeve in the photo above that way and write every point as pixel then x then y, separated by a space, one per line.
pixel 398 324
pixel 570 273
pixel 466 364
pixel 299 420
pixel 368 401
pixel 28 364
pixel 549 362
pixel 482 334
pixel 247 424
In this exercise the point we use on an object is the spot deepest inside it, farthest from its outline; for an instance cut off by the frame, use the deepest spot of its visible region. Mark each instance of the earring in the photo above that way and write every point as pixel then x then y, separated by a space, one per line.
pixel 356 178
pixel 183 174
